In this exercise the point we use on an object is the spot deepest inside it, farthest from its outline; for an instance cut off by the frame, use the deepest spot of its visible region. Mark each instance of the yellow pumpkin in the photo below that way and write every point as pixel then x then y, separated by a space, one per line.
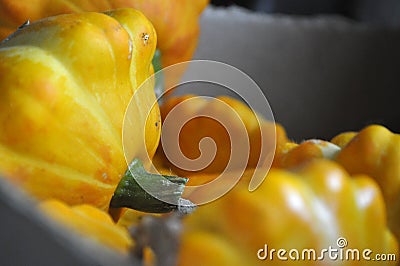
pixel 314 206
pixel 65 85
pixel 375 151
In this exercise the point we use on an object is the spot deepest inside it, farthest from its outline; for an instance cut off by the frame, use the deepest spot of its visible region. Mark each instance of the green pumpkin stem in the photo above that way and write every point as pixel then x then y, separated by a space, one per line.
pixel 130 194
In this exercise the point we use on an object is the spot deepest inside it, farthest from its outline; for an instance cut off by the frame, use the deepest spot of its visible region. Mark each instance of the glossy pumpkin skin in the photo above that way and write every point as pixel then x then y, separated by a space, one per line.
pixel 176 22
pixel 218 119
pixel 65 84
pixel 89 222
pixel 308 207
pixel 375 151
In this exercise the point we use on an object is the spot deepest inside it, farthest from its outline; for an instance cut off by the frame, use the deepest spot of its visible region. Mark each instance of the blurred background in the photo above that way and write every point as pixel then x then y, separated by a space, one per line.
pixel 384 12
pixel 325 66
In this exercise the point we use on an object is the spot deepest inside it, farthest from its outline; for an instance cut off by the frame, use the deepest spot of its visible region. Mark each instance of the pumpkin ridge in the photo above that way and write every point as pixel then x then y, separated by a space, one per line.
pixel 68 172
pixel 66 66
pixel 89 102
pixel 69 135
pixel 72 90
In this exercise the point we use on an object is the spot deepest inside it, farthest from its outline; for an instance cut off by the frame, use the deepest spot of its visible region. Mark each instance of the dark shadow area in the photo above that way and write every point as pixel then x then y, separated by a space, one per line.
pixel 383 13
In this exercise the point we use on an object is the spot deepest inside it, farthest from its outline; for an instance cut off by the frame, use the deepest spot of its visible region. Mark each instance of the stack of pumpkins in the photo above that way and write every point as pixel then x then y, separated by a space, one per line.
pixel 65 84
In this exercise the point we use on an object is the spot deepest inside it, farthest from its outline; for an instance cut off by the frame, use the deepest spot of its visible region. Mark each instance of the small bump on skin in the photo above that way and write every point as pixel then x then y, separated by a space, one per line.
pixel 105 176
pixel 145 38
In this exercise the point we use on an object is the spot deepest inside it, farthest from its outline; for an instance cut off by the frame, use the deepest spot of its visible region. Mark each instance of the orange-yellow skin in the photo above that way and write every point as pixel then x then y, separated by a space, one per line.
pixel 343 139
pixel 308 207
pixel 237 116
pixel 65 83
pixel 375 151
pixel 176 22
pixel 89 222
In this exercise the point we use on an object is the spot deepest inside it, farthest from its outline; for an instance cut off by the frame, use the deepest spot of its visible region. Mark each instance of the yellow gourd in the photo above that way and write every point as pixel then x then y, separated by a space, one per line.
pixel 65 85
pixel 313 206
pixel 375 151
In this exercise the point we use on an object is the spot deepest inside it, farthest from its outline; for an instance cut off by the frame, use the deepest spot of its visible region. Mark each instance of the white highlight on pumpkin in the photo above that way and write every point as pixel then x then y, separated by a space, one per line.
pixel 328 149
